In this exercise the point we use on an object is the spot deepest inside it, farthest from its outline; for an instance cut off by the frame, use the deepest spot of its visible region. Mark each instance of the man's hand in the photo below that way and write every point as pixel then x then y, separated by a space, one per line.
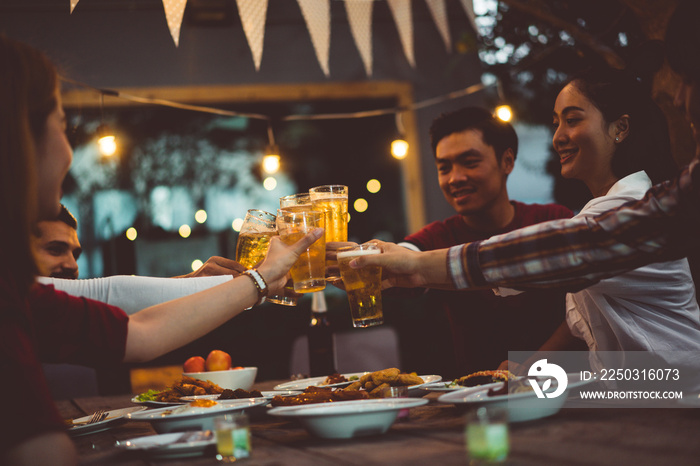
pixel 332 255
pixel 214 266
pixel 405 268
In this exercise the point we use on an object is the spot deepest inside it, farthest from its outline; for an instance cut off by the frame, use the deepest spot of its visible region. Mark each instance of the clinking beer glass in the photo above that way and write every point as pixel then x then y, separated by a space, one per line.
pixel 308 272
pixel 363 285
pixel 254 241
pixel 332 200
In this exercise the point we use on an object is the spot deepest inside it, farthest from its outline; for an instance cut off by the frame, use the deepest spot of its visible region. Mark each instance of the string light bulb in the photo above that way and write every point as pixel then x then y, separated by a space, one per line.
pixel 399 146
pixel 271 160
pixel 504 113
pixel 106 141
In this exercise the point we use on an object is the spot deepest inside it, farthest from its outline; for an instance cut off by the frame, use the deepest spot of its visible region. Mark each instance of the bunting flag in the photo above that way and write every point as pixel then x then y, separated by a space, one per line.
pixel 73 4
pixel 360 19
pixel 439 14
pixel 317 14
pixel 253 14
pixel 174 11
pixel 403 17
pixel 468 6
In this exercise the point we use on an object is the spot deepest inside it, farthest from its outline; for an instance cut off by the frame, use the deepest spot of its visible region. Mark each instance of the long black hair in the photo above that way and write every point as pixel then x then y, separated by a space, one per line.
pixel 624 92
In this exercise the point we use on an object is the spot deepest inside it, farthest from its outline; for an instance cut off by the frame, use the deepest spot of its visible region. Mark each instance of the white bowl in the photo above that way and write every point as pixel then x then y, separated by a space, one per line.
pixel 347 419
pixel 231 379
pixel 522 406
pixel 186 417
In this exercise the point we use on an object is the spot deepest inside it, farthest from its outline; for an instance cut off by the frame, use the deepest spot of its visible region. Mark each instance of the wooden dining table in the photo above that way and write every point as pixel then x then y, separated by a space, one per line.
pixel 432 434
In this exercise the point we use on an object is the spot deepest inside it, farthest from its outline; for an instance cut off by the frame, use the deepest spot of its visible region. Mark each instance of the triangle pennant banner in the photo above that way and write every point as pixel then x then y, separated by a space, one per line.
pixel 73 4
pixel 360 19
pixel 253 14
pixel 174 11
pixel 439 14
pixel 468 6
pixel 403 17
pixel 317 14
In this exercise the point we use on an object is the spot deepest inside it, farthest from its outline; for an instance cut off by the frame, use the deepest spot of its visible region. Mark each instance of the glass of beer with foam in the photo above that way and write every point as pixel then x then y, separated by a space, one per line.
pixel 254 238
pixel 254 241
pixel 363 286
pixel 309 271
pixel 332 200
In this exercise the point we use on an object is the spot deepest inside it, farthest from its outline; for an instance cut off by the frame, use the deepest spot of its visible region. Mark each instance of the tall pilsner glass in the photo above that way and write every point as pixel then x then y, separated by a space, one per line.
pixel 332 200
pixel 363 286
pixel 308 272
pixel 254 241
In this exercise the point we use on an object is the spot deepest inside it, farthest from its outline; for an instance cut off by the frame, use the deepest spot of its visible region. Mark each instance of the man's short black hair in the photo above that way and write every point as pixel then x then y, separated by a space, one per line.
pixel 66 217
pixel 496 133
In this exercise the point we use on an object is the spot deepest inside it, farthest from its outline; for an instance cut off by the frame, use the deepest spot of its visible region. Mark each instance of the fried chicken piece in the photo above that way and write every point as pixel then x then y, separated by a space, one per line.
pixel 385 376
pixel 407 380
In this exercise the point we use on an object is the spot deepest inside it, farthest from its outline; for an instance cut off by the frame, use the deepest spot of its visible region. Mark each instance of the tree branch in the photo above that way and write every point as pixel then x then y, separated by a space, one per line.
pixel 584 38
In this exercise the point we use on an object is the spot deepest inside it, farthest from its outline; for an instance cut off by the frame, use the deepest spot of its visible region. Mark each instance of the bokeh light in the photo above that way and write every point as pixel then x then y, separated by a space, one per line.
pixel 131 234
pixel 360 205
pixel 185 231
pixel 374 186
pixel 200 216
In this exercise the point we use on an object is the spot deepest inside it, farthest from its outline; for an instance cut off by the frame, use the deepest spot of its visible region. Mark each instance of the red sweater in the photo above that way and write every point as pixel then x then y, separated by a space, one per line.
pixel 485 326
pixel 49 326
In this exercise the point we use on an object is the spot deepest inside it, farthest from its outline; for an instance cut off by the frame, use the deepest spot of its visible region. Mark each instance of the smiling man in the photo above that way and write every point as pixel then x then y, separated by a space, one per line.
pixel 56 246
pixel 474 154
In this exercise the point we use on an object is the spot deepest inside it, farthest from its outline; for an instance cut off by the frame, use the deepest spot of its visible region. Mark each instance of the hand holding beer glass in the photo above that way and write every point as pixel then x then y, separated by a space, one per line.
pixel 308 272
pixel 332 201
pixel 254 241
pixel 363 285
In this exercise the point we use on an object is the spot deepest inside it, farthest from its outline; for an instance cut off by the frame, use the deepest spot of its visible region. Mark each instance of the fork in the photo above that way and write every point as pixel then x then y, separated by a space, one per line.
pixel 97 416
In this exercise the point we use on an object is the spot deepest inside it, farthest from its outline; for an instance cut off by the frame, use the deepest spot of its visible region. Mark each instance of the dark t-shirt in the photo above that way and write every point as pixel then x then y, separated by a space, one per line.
pixel 49 326
pixel 485 326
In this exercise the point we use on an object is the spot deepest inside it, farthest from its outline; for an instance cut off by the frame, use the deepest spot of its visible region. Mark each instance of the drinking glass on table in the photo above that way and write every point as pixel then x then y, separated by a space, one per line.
pixel 363 285
pixel 308 272
pixel 332 200
pixel 254 241
pixel 232 437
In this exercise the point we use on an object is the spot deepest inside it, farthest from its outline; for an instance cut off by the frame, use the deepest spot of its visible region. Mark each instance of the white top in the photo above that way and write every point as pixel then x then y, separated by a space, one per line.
pixel 652 308
pixel 132 293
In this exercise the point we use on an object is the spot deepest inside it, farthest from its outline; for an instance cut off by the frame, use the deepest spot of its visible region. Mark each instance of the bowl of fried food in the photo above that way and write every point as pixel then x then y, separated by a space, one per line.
pixel 231 379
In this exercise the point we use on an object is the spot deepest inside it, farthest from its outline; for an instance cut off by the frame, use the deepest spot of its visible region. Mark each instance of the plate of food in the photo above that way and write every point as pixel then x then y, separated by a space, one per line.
pixel 333 380
pixel 186 386
pixel 471 380
pixel 195 415
pixel 240 394
pixel 517 396
pixel 80 426
pixel 172 445
pixel 348 419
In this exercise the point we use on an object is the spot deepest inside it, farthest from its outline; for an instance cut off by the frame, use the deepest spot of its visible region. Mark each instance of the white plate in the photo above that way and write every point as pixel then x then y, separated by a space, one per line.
pixel 301 384
pixel 155 404
pixel 184 417
pixel 417 390
pixel 442 386
pixel 316 382
pixel 113 417
pixel 164 446
pixel 522 406
pixel 267 395
pixel 347 419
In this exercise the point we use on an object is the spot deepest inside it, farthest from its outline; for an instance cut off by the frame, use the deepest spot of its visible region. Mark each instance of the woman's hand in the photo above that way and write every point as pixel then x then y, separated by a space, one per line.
pixel 280 258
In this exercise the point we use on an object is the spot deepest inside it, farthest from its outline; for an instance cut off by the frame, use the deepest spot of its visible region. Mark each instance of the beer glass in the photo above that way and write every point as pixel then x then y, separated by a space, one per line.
pixel 308 272
pixel 332 200
pixel 296 202
pixel 363 286
pixel 254 241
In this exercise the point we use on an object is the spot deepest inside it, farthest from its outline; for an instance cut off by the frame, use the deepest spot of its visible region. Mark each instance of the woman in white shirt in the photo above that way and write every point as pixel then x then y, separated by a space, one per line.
pixel 610 135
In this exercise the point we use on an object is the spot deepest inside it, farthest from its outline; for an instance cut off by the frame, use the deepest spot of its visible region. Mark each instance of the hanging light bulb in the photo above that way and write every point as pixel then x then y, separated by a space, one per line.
pixel 504 113
pixel 399 148
pixel 271 160
pixel 106 141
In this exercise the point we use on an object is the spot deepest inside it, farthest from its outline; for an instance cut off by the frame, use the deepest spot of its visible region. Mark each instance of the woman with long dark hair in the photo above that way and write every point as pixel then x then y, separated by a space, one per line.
pixel 38 323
